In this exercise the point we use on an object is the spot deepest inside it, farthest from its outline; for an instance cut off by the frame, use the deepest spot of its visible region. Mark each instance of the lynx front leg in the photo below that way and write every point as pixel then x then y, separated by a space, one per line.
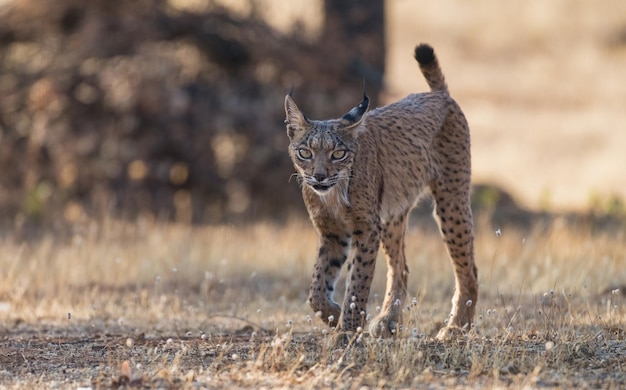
pixel 332 254
pixel 366 240
pixel 457 228
pixel 388 321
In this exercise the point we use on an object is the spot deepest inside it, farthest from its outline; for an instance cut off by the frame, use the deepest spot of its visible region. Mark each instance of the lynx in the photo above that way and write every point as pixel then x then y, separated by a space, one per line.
pixel 362 174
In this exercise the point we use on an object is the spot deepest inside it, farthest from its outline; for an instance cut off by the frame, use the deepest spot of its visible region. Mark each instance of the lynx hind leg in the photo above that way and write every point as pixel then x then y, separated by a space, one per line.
pixel 388 321
pixel 333 252
pixel 455 221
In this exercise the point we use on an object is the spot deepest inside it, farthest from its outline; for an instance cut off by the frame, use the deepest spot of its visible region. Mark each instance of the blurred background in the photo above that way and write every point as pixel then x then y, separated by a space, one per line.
pixel 174 108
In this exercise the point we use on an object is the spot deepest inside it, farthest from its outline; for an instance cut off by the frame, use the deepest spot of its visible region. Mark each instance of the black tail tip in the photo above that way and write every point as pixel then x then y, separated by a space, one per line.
pixel 424 54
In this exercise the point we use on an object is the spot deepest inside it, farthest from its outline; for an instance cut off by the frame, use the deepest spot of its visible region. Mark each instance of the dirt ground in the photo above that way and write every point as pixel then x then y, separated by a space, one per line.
pixel 108 355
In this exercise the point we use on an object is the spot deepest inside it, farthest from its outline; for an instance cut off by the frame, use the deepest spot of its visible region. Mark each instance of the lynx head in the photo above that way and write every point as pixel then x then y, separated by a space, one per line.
pixel 323 151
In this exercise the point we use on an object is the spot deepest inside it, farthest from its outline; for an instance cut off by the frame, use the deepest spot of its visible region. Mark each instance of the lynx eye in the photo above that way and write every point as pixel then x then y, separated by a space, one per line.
pixel 338 155
pixel 305 154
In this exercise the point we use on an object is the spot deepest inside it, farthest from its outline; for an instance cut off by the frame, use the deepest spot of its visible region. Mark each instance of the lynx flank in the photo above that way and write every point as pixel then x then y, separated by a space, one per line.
pixel 362 174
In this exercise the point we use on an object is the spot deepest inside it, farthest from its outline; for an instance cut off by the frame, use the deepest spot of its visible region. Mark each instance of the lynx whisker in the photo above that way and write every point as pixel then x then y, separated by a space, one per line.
pixel 299 178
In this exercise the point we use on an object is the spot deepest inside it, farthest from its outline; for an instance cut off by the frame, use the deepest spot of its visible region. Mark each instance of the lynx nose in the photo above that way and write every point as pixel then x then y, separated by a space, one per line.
pixel 320 177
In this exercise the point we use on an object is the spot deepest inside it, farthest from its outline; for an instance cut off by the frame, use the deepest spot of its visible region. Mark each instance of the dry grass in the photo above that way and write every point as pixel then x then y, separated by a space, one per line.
pixel 150 304
pixel 155 304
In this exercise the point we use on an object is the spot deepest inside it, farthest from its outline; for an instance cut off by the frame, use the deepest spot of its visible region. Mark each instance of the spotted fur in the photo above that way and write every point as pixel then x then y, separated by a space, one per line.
pixel 361 176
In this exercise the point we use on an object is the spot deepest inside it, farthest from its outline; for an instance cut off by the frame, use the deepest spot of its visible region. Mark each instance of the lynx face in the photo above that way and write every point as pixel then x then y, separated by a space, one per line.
pixel 323 151
pixel 322 157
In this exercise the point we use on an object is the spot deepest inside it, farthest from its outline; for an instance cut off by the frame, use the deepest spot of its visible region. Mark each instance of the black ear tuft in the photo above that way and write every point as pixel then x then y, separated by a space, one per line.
pixel 354 115
pixel 364 92
pixel 424 54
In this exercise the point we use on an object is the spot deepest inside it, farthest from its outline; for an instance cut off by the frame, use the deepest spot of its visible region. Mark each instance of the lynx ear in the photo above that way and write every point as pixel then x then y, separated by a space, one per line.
pixel 295 119
pixel 354 116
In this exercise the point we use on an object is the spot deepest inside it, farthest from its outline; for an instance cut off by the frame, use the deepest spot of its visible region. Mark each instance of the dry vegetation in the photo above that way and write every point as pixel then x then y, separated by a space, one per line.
pixel 150 304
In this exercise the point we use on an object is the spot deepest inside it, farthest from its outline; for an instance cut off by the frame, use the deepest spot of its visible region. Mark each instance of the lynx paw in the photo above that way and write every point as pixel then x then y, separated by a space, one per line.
pixel 384 326
pixel 328 311
pixel 450 333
